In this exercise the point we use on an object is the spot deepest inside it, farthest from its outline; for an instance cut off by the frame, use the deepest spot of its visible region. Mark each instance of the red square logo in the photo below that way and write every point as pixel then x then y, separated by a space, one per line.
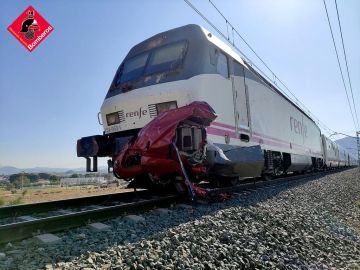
pixel 30 28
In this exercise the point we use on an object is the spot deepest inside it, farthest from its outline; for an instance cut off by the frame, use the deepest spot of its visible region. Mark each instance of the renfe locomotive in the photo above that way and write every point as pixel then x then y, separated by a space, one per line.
pixel 184 106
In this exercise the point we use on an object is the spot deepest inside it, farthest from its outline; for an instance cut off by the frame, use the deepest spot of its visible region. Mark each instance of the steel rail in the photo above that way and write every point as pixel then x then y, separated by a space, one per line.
pixel 26 229
pixel 264 183
pixel 32 208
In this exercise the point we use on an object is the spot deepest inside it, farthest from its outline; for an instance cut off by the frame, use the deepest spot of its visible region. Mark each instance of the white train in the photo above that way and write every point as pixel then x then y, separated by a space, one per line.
pixel 258 131
pixel 335 155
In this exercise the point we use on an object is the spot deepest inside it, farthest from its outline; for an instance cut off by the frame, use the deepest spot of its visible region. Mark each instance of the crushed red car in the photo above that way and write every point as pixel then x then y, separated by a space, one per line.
pixel 153 150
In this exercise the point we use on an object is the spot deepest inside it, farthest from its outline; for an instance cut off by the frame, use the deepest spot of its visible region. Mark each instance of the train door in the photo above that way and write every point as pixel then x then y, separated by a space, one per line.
pixel 241 103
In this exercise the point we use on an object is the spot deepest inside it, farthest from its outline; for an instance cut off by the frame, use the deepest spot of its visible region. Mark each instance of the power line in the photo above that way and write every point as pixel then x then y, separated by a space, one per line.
pixel 347 67
pixel 247 44
pixel 276 78
pixel 337 56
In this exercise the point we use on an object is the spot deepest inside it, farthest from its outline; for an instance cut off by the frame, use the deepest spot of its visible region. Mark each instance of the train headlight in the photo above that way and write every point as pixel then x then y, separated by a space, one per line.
pixel 163 107
pixel 112 119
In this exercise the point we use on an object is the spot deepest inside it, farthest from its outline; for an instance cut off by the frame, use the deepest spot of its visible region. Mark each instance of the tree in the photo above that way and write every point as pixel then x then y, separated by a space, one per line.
pixel 21 181
pixel 13 177
pixel 33 177
pixel 53 177
pixel 44 176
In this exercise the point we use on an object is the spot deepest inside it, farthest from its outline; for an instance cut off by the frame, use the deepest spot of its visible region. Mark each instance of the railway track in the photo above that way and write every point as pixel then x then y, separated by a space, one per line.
pixel 259 183
pixel 24 221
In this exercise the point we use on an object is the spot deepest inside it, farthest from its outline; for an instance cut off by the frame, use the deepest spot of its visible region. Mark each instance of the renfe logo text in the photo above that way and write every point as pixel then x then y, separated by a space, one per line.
pixel 138 113
pixel 298 127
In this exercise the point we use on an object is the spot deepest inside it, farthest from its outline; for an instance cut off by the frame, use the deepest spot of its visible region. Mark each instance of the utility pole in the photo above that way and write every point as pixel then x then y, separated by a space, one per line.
pixel 22 180
pixel 358 146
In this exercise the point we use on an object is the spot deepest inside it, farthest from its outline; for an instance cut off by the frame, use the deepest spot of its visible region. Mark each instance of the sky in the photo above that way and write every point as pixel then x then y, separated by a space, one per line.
pixel 50 97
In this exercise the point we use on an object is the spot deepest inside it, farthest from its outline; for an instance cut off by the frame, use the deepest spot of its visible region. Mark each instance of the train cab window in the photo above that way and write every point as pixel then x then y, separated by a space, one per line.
pixel 166 58
pixel 160 59
pixel 133 68
pixel 222 65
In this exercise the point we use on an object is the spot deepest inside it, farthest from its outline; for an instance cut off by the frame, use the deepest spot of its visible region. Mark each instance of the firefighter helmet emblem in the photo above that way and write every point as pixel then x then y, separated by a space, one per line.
pixel 29 26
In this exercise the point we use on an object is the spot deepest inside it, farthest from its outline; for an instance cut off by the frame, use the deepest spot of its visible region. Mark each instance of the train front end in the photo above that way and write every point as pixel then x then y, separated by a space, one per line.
pixel 153 131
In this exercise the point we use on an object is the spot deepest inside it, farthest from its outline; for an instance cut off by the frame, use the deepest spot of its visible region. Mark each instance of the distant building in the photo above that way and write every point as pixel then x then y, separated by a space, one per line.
pixel 82 181
pixel 42 182
pixel 3 178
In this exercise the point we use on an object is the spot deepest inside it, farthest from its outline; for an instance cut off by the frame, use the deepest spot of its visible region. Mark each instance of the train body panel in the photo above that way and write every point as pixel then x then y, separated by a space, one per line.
pixel 277 130
pixel 277 122
pixel 331 152
pixel 343 157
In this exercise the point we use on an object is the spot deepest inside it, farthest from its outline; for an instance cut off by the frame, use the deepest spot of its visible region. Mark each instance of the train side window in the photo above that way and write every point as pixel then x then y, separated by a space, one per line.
pixel 238 69
pixel 222 66
pixel 213 53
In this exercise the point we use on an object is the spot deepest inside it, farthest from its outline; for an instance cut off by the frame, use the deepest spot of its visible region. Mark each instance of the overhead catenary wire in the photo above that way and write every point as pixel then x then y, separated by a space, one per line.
pixel 338 60
pixel 346 62
pixel 276 78
pixel 272 72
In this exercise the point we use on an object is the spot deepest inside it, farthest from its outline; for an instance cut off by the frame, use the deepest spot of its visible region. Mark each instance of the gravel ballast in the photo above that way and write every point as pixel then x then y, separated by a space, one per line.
pixel 308 224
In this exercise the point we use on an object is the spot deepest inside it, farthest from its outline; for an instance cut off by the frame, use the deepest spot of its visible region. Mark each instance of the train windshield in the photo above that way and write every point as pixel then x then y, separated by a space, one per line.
pixel 133 68
pixel 161 59
pixel 166 58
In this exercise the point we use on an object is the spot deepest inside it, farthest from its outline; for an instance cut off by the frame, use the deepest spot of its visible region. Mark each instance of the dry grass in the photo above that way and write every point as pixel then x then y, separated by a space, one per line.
pixel 52 194
pixel 2 201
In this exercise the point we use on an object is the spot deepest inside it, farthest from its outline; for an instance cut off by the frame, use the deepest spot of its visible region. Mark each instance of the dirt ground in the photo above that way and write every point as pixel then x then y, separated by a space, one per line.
pixel 53 194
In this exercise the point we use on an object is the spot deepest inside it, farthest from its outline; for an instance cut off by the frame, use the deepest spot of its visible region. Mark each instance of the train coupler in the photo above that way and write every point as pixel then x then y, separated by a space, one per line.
pixel 91 148
pixel 94 167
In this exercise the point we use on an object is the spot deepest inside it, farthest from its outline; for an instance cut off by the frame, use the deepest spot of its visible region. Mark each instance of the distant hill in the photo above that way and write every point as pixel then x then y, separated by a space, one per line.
pixel 7 170
pixel 349 144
